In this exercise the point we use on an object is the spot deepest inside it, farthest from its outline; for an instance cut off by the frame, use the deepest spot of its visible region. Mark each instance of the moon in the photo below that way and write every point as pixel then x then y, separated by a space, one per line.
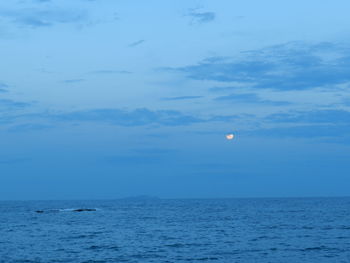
pixel 229 136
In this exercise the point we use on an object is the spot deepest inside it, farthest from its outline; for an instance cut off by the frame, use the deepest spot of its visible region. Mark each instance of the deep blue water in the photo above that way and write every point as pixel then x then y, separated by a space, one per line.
pixel 226 230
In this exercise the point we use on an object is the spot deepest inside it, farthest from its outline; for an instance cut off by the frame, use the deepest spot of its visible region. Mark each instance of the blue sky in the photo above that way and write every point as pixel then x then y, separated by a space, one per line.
pixel 108 99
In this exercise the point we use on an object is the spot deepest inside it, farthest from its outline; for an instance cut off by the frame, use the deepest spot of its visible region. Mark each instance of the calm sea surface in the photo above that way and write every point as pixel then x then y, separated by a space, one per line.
pixel 227 230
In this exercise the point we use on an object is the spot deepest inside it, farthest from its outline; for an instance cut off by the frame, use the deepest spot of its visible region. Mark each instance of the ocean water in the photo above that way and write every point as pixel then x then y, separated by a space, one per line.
pixel 223 230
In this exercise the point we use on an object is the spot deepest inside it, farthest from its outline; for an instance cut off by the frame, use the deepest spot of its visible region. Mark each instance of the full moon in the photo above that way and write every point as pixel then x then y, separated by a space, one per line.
pixel 229 136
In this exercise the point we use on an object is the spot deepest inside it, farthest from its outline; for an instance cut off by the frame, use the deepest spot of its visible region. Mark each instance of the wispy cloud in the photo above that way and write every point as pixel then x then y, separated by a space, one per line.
pixel 10 109
pixel 183 98
pixel 22 122
pixel 6 104
pixel 291 66
pixel 224 118
pixel 136 117
pixel 29 127
pixel 43 17
pixel 250 98
pixel 333 133
pixel 105 72
pixel 331 125
pixel 201 17
pixel 136 43
pixel 72 81
pixel 3 87
pixel 222 89
pixel 331 116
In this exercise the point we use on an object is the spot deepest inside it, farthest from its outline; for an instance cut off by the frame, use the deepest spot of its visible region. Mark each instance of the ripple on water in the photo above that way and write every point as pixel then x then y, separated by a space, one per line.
pixel 225 231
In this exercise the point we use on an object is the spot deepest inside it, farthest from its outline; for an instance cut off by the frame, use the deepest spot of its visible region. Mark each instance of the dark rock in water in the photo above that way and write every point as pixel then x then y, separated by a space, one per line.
pixel 66 210
pixel 84 210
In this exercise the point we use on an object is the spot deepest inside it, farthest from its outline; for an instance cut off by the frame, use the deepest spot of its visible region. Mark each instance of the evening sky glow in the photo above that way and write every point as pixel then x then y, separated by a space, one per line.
pixel 108 99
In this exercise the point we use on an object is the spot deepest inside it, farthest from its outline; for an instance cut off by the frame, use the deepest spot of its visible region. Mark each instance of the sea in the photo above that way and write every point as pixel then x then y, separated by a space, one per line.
pixel 260 230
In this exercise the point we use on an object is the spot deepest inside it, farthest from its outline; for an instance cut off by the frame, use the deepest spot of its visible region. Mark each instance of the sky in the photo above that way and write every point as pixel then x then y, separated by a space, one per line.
pixel 104 99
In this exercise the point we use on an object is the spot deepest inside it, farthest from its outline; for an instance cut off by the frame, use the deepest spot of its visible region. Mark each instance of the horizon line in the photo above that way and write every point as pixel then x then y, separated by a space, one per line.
pixel 153 198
